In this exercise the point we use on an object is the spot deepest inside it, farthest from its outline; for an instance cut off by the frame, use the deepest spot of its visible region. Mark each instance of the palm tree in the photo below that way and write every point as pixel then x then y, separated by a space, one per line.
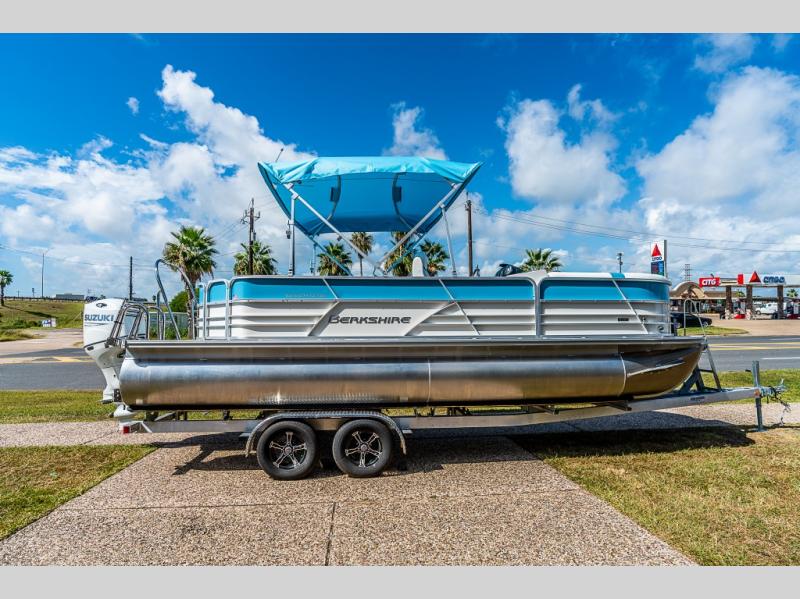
pixel 363 241
pixel 6 278
pixel 436 256
pixel 791 293
pixel 539 259
pixel 334 252
pixel 193 252
pixel 402 268
pixel 263 262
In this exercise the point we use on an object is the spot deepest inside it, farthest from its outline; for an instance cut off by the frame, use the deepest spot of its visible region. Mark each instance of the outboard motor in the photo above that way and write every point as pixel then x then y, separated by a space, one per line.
pixel 98 321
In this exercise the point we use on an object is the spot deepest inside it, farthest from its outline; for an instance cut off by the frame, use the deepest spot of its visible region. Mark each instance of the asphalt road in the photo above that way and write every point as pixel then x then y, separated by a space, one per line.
pixel 738 353
pixel 68 368
pixel 71 368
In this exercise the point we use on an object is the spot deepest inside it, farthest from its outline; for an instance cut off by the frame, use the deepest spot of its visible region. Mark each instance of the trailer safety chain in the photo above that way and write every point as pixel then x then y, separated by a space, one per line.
pixel 775 392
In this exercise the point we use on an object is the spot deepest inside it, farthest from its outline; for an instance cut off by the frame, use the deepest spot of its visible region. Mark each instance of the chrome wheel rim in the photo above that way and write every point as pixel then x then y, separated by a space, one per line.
pixel 286 452
pixel 363 448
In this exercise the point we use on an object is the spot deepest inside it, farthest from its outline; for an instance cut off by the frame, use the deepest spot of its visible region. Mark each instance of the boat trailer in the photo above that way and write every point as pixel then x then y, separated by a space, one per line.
pixel 285 442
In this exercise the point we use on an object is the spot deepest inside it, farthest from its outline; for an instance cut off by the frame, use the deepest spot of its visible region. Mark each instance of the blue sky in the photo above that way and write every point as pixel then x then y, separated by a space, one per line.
pixel 104 148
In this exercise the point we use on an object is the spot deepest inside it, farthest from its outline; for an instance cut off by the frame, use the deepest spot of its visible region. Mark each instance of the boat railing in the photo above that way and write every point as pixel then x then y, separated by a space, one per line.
pixel 137 312
pixel 225 312
pixel 692 307
pixel 163 302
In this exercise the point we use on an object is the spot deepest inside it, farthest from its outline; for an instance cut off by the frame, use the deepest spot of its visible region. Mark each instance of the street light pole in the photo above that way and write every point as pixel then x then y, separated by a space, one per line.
pixel 41 292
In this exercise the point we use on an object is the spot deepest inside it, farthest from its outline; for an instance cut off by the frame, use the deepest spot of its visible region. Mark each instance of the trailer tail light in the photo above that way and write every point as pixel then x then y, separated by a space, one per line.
pixel 125 428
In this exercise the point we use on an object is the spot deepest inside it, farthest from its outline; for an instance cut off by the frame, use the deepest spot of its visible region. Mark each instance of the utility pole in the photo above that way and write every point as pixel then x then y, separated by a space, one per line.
pixel 251 217
pixel 619 260
pixel 468 207
pixel 130 279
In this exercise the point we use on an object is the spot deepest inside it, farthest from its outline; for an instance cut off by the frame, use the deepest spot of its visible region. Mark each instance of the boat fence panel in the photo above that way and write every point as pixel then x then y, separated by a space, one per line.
pixel 264 307
pixel 604 307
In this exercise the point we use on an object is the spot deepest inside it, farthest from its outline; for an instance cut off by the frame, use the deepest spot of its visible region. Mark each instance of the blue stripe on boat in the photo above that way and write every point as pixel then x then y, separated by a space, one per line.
pixel 603 290
pixel 216 292
pixel 408 289
pixel 280 288
pixel 504 289
pixel 389 289
pixel 645 290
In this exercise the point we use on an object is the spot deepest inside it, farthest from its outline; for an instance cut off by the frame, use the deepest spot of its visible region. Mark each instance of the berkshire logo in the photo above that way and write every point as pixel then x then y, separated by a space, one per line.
pixel 369 320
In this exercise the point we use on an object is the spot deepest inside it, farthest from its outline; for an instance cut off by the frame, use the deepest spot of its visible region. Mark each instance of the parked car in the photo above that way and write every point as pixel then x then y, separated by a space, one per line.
pixel 767 309
pixel 692 320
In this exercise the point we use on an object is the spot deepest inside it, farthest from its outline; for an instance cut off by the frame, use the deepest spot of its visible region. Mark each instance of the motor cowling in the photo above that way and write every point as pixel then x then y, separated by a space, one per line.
pixel 98 322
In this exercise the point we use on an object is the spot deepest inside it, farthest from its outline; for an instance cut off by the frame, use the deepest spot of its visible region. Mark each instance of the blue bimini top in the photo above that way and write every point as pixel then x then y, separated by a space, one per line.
pixel 374 194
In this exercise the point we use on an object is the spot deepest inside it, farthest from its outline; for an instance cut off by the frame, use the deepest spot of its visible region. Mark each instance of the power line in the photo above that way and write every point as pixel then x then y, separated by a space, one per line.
pixel 634 232
pixel 67 260
pixel 638 237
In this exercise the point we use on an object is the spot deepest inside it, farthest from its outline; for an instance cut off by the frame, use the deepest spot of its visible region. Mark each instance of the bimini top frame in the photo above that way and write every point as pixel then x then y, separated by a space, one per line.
pixel 375 194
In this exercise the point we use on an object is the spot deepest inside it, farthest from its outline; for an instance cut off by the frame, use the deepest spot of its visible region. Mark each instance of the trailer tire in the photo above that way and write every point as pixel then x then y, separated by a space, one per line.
pixel 287 450
pixel 362 448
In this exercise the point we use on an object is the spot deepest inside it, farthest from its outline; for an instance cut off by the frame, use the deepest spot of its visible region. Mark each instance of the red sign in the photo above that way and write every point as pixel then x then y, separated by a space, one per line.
pixel 754 278
pixel 710 281
pixel 656 252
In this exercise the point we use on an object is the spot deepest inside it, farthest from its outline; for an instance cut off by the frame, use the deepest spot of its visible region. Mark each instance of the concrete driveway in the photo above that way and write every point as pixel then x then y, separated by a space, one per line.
pixel 481 500
pixel 45 340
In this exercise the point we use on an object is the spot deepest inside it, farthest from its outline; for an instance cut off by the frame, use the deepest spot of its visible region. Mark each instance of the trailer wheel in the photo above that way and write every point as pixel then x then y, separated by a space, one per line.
pixel 287 450
pixel 362 448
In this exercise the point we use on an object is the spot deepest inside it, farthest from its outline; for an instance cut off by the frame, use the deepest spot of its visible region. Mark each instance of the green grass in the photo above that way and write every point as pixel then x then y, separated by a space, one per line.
pixel 52 406
pixel 75 406
pixel 21 314
pixel 712 330
pixel 790 377
pixel 14 335
pixel 721 496
pixel 36 480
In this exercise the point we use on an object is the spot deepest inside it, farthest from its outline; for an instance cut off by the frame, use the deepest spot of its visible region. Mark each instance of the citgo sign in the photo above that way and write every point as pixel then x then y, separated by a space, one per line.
pixel 710 281
pixel 755 279
pixel 773 280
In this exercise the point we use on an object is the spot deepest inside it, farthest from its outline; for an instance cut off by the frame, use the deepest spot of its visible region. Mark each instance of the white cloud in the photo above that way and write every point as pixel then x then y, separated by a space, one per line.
pixel 235 138
pixel 546 167
pixel 410 138
pixel 746 149
pixel 780 41
pixel 15 154
pixel 732 175
pixel 580 109
pixel 112 208
pixel 93 148
pixel 723 50
pixel 24 221
pixel 133 105
pixel 153 143
pixel 88 193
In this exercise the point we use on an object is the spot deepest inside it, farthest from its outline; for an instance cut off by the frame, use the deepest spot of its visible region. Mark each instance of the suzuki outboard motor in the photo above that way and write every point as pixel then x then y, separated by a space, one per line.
pixel 98 321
